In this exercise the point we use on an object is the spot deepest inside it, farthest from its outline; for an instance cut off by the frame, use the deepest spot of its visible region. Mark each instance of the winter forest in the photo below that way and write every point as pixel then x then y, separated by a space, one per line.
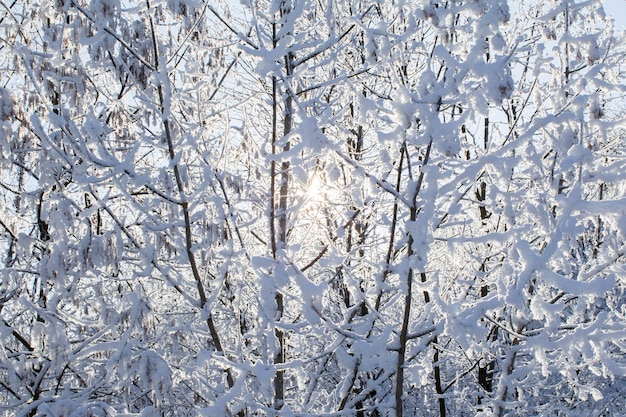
pixel 312 208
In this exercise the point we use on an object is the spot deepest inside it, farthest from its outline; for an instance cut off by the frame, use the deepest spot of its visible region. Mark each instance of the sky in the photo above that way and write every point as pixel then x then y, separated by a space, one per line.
pixel 617 8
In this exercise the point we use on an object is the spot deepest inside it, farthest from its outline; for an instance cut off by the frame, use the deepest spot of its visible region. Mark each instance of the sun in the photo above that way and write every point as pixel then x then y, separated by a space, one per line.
pixel 314 191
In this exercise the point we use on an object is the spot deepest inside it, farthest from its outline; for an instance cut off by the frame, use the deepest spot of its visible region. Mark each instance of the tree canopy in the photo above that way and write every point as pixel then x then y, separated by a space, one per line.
pixel 312 208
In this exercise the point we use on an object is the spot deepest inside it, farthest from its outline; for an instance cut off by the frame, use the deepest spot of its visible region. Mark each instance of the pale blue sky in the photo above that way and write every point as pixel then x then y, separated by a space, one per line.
pixel 617 8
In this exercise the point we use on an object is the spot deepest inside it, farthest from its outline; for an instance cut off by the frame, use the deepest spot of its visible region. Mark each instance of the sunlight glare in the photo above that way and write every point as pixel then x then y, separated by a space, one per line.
pixel 314 192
